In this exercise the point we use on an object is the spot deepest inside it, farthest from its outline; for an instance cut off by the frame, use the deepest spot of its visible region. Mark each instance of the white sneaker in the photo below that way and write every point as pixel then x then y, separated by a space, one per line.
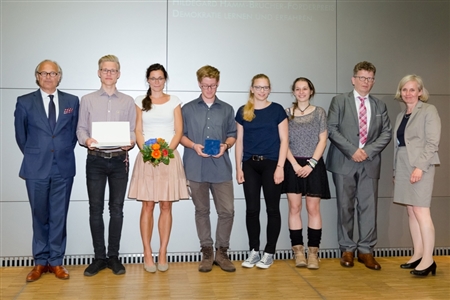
pixel 266 261
pixel 252 259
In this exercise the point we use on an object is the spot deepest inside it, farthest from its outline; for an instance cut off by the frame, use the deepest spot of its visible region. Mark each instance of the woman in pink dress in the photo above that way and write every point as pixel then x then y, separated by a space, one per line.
pixel 158 116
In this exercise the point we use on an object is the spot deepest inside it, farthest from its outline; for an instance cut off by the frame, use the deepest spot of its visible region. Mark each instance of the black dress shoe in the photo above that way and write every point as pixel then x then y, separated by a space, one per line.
pixel 411 265
pixel 425 272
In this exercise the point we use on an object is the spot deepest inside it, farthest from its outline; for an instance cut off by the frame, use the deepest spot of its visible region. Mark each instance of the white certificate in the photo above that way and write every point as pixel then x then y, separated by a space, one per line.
pixel 111 134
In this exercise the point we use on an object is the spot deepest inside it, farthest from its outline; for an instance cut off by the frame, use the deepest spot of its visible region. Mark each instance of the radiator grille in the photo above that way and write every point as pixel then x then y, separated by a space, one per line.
pixel 73 260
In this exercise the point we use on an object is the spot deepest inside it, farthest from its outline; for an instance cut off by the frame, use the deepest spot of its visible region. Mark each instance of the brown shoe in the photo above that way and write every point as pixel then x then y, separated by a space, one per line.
pixel 299 255
pixel 347 259
pixel 369 261
pixel 60 272
pixel 36 273
pixel 223 261
pixel 207 259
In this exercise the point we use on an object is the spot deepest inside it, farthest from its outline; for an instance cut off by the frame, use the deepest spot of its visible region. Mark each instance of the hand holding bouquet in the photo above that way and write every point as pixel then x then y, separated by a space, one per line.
pixel 156 151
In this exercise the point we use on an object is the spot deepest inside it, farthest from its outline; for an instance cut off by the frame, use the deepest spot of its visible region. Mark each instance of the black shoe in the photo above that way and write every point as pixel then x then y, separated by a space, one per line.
pixel 115 265
pixel 411 265
pixel 424 272
pixel 96 266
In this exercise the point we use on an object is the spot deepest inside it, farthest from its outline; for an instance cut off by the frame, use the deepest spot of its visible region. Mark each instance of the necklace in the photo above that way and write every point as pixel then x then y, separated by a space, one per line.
pixel 407 116
pixel 303 111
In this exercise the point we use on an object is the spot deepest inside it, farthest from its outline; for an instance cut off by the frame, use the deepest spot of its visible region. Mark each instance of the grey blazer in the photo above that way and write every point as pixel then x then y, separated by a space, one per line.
pixel 343 132
pixel 422 135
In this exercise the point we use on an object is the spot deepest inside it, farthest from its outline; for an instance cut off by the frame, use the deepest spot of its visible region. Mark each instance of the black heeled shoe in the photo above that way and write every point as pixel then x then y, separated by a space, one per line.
pixel 425 272
pixel 411 265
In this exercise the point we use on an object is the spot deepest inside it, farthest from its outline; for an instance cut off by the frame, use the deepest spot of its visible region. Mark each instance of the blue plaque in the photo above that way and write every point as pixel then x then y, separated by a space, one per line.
pixel 212 147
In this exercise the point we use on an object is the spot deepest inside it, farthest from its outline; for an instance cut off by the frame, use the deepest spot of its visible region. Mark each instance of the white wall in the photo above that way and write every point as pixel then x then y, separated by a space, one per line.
pixel 321 40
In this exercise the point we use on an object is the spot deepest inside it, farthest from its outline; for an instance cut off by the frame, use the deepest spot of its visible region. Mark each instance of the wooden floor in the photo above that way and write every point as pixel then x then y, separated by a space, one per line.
pixel 281 281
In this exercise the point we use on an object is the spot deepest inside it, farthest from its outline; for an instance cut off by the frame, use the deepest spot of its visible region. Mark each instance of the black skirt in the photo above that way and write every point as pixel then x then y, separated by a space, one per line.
pixel 315 185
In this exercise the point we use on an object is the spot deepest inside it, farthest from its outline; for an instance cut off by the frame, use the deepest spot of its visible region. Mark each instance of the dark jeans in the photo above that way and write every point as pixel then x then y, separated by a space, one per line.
pixel 99 170
pixel 259 174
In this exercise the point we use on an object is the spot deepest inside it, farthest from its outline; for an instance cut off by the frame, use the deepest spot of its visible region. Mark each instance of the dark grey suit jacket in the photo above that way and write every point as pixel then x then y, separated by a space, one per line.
pixel 343 132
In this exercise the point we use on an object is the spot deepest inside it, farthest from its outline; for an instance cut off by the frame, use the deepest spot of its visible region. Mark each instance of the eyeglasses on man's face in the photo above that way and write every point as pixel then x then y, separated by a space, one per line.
pixel 207 87
pixel 261 88
pixel 364 79
pixel 106 71
pixel 45 74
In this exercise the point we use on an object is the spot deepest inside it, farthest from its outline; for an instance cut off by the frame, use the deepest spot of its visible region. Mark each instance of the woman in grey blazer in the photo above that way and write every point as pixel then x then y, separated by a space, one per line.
pixel 416 134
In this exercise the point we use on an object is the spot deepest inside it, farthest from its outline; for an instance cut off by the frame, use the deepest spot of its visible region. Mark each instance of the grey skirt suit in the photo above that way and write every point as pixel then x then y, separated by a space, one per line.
pixel 422 135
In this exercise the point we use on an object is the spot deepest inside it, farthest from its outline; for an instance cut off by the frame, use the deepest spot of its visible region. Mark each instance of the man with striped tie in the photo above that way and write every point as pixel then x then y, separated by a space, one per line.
pixel 359 129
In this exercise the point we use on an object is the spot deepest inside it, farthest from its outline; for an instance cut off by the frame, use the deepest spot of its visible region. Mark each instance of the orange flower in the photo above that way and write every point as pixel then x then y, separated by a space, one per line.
pixel 156 154
pixel 156 146
pixel 160 141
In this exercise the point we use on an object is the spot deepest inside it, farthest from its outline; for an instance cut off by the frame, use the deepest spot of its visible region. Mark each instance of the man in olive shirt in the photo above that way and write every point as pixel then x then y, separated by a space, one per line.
pixel 207 117
pixel 106 104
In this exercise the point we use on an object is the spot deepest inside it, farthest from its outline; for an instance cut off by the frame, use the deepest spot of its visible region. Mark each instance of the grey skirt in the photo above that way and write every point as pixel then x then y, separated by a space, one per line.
pixel 416 194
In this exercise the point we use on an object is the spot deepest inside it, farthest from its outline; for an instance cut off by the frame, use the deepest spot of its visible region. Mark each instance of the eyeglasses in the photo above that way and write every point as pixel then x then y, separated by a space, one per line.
pixel 156 79
pixel 207 87
pixel 259 88
pixel 44 74
pixel 363 79
pixel 106 71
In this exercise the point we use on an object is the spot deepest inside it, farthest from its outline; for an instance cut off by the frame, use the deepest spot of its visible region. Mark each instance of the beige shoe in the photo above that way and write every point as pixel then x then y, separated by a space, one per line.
pixel 223 261
pixel 299 255
pixel 207 259
pixel 313 258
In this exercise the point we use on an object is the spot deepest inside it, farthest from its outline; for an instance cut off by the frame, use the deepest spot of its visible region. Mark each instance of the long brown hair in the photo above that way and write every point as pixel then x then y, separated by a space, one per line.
pixel 311 87
pixel 147 101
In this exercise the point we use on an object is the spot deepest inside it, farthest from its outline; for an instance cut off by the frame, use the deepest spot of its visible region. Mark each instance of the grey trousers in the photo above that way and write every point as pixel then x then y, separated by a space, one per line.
pixel 356 190
pixel 223 197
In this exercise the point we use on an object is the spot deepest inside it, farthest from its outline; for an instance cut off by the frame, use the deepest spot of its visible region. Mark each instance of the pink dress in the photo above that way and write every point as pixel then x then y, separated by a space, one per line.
pixel 162 182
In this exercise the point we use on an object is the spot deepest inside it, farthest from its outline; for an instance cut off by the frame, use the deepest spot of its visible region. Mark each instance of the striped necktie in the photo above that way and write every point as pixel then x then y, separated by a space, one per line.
pixel 362 121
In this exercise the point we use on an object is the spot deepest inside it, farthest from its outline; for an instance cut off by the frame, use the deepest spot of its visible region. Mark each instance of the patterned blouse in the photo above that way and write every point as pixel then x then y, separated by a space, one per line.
pixel 304 131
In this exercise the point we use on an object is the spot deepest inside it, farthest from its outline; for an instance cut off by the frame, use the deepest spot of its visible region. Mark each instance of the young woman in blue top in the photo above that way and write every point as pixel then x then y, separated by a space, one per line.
pixel 261 149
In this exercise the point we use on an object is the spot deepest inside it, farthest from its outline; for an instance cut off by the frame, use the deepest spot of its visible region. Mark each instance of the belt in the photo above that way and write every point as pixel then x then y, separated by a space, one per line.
pixel 107 155
pixel 258 157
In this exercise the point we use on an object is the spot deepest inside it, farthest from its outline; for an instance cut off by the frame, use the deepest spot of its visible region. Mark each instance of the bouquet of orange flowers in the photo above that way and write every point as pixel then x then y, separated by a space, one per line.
pixel 156 151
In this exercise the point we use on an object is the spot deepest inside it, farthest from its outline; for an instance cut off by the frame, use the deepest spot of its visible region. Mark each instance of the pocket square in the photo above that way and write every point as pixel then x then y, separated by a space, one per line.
pixel 68 110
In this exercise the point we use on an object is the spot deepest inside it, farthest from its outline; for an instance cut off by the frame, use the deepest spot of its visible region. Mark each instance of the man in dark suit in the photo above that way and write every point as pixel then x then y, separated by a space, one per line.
pixel 45 125
pixel 359 129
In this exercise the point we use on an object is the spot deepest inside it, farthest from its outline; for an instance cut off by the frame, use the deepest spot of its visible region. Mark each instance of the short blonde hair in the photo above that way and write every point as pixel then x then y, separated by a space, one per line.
pixel 412 77
pixel 208 71
pixel 111 58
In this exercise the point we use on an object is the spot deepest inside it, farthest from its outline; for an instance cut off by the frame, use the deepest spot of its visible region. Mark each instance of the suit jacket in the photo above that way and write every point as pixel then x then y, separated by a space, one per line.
pixel 36 140
pixel 422 135
pixel 343 132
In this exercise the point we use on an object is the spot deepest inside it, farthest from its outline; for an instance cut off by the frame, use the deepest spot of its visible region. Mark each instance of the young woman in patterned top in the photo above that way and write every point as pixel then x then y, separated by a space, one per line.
pixel 305 172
